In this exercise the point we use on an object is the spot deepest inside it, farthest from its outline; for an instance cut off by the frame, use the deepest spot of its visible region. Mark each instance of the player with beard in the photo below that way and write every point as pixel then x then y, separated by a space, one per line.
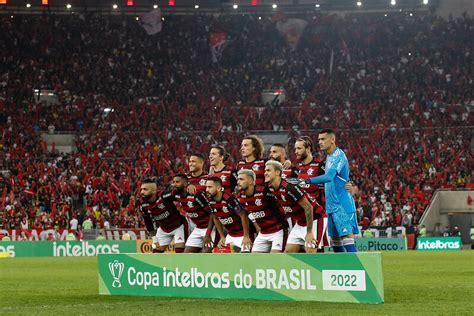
pixel 217 158
pixel 252 150
pixel 293 202
pixel 310 166
pixel 197 210
pixel 261 205
pixel 278 153
pixel 227 209
pixel 159 211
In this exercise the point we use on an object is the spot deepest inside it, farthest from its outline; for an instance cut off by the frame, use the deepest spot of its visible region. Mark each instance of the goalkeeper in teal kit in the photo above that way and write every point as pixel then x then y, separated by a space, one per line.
pixel 340 206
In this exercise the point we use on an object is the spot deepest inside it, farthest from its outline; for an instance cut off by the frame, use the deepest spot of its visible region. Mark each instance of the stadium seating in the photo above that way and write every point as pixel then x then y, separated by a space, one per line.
pixel 399 94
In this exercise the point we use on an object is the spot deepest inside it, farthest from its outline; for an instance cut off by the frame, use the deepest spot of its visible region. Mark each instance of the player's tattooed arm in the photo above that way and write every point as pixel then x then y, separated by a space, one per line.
pixel 246 242
pixel 308 211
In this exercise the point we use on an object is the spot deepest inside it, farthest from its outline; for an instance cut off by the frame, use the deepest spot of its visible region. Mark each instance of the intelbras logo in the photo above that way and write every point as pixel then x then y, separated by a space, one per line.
pixel 84 248
pixel 439 245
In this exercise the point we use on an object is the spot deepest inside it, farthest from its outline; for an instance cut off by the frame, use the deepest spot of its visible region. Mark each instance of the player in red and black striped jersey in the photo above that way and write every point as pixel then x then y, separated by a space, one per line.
pixel 217 157
pixel 252 151
pixel 261 205
pixel 159 211
pixel 197 210
pixel 196 177
pixel 227 209
pixel 278 153
pixel 294 202
pixel 308 167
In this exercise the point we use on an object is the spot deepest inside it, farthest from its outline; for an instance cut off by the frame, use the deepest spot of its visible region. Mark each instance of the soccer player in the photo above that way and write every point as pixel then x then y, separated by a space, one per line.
pixel 294 203
pixel 309 166
pixel 160 211
pixel 252 150
pixel 197 177
pixel 273 227
pixel 340 206
pixel 217 157
pixel 278 153
pixel 230 213
pixel 196 209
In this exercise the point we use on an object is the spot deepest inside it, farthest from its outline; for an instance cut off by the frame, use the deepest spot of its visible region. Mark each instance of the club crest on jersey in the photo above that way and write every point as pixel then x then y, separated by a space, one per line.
pixel 190 204
pixel 161 206
pixel 223 178
pixel 255 167
pixel 310 171
pixel 225 209
pixel 258 202
pixel 202 182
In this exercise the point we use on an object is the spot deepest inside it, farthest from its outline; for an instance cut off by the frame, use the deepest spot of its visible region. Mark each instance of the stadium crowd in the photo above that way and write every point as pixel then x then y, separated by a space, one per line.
pixel 399 92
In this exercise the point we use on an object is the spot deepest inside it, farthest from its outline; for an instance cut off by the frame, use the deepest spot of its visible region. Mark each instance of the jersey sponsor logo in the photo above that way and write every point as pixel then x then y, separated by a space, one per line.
pixel 192 215
pixel 226 221
pixel 161 216
pixel 287 209
pixel 260 214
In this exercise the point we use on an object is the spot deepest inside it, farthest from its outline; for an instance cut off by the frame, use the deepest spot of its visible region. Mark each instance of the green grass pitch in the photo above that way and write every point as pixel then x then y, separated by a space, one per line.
pixel 416 283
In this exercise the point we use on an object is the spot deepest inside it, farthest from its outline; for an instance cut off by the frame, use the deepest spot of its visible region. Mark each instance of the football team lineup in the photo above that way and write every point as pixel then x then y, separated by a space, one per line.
pixel 263 205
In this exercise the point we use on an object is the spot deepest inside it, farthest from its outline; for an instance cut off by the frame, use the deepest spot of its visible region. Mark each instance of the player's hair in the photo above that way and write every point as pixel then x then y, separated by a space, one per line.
pixel 222 151
pixel 215 180
pixel 151 180
pixel 308 143
pixel 196 154
pixel 328 131
pixel 249 173
pixel 276 165
pixel 181 175
pixel 279 145
pixel 257 143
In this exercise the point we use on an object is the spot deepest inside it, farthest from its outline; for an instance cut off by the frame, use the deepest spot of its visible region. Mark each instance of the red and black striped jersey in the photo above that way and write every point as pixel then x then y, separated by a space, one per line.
pixel 228 180
pixel 195 207
pixel 313 169
pixel 227 211
pixel 289 173
pixel 258 166
pixel 288 197
pixel 199 182
pixel 163 213
pixel 263 208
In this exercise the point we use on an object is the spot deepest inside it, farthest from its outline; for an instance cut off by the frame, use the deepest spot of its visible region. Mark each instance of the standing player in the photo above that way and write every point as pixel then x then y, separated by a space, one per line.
pixel 196 209
pixel 197 177
pixel 273 233
pixel 278 153
pixel 309 166
pixel 295 204
pixel 161 212
pixel 252 150
pixel 340 206
pixel 230 213
pixel 217 157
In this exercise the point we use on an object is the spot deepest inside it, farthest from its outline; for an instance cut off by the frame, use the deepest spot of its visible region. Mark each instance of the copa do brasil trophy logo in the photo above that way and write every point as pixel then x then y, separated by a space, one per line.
pixel 116 269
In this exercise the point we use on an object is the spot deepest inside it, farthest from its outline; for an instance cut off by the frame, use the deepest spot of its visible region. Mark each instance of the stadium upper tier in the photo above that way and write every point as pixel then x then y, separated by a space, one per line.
pixel 398 89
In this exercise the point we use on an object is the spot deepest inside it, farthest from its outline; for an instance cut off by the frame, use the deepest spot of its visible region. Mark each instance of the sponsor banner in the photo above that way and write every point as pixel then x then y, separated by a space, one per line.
pixel 438 243
pixel 144 246
pixel 345 277
pixel 380 244
pixel 66 248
